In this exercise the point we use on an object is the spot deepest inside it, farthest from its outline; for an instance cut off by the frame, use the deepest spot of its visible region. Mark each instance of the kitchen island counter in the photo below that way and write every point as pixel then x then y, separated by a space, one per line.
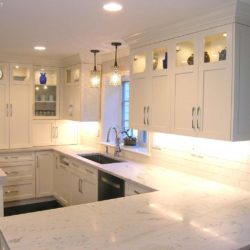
pixel 186 212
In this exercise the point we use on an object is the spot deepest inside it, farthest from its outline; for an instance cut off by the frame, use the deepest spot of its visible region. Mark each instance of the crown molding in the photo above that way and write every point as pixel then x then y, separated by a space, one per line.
pixel 223 15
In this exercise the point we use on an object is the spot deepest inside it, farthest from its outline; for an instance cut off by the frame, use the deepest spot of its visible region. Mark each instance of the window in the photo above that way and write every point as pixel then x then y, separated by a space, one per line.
pixel 142 136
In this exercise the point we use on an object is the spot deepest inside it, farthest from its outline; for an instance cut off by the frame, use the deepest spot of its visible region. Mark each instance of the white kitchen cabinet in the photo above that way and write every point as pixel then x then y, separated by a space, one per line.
pixel 80 102
pixel 208 84
pixel 133 189
pixel 44 173
pixel 46 96
pixel 51 132
pixel 150 89
pixel 20 171
pixel 84 183
pixel 4 102
pixel 61 180
pixel 15 106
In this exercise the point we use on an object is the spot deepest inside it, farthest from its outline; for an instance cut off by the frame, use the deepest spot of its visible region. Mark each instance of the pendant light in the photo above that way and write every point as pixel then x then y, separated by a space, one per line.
pixel 95 76
pixel 115 79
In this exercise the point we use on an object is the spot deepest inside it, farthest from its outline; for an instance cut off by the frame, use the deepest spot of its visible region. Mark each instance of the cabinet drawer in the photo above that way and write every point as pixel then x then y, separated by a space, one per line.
pixel 88 172
pixel 18 174
pixel 4 158
pixel 19 192
pixel 133 189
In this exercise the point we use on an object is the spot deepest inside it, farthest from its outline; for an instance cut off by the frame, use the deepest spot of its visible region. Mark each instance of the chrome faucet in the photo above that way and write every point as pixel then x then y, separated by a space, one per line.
pixel 117 141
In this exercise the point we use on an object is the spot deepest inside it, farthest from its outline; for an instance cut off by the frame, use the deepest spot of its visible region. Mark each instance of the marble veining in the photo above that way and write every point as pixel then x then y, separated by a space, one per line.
pixel 185 213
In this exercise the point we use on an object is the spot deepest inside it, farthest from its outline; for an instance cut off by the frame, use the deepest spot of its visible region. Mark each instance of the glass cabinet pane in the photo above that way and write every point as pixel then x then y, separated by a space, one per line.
pixel 139 63
pixel 215 47
pixel 46 94
pixel 20 73
pixel 185 53
pixel 160 59
pixel 72 75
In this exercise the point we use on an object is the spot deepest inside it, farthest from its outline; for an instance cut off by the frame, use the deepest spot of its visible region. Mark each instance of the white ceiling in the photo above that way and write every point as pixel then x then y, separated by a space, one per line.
pixel 68 27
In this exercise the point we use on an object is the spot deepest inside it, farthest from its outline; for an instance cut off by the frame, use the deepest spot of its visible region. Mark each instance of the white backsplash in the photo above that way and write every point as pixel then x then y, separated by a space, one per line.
pixel 226 162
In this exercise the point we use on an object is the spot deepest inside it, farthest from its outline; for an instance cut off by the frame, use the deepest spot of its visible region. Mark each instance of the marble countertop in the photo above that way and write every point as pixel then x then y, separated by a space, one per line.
pixel 186 212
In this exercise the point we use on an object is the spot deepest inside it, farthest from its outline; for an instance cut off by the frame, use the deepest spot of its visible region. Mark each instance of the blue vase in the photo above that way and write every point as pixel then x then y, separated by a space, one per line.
pixel 43 78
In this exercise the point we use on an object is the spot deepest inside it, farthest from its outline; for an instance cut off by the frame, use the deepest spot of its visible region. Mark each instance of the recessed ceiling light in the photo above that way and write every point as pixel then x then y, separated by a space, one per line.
pixel 112 7
pixel 40 48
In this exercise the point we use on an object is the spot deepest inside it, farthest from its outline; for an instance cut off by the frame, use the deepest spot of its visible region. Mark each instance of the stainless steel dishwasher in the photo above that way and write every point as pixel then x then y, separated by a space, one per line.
pixel 109 186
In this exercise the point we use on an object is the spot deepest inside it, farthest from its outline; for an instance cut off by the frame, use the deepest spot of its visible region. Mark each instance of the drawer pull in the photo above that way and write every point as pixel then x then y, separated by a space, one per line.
pixel 11 192
pixel 89 171
pixel 136 192
pixel 11 172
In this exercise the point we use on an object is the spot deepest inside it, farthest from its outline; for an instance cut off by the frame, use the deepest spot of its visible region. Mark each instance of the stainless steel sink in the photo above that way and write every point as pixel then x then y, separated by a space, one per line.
pixel 100 158
pixel 3 243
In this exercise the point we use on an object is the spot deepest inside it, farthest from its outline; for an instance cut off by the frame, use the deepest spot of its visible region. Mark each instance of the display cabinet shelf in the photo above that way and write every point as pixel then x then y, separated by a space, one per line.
pixel 185 53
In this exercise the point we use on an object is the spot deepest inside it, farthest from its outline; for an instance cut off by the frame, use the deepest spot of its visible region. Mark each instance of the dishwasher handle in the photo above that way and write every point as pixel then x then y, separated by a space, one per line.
pixel 115 185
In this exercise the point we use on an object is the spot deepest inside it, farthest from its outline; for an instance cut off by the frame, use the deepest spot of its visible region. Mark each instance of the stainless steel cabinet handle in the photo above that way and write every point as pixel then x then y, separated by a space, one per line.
pixel 198 118
pixel 11 172
pixel 10 114
pixel 117 186
pixel 80 186
pixel 144 115
pixel 11 192
pixel 89 171
pixel 193 113
pixel 70 110
pixel 7 110
pixel 136 192
pixel 148 109
pixel 56 132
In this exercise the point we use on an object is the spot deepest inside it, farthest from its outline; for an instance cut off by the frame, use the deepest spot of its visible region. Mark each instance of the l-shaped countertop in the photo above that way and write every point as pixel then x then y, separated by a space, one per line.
pixel 185 212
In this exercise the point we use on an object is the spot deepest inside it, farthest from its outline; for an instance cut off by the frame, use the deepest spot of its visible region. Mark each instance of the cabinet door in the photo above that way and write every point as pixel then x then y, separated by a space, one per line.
pixel 139 103
pixel 90 190
pixel 44 174
pixel 159 119
pixel 66 132
pixel 185 102
pixel 62 184
pixel 76 192
pixel 215 84
pixel 43 132
pixel 71 104
pixel 20 114
pixel 4 105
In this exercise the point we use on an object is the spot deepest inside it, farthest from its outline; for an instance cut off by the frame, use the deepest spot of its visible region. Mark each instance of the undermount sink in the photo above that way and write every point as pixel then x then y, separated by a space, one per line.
pixel 100 158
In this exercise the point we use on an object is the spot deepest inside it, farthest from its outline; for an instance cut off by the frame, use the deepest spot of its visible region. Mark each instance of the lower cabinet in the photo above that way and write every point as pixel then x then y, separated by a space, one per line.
pixel 44 174
pixel 20 171
pixel 84 184
pixel 133 189
pixel 61 180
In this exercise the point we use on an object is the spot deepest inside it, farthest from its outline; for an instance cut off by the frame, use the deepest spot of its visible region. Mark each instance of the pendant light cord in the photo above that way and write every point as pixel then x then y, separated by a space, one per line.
pixel 115 65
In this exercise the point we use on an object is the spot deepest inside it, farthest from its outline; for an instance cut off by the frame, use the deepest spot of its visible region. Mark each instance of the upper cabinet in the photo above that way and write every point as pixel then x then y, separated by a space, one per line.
pixel 80 101
pixel 195 85
pixel 21 74
pixel 46 95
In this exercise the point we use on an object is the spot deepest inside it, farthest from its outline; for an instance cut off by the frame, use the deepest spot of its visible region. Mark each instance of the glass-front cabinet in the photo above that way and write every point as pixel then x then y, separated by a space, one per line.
pixel 46 93
pixel 73 75
pixel 21 74
pixel 185 53
pixel 215 47
pixel 160 59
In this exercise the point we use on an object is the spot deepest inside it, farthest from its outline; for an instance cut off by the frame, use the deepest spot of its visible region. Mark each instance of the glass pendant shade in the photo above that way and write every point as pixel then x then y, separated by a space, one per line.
pixel 116 78
pixel 95 75
pixel 95 78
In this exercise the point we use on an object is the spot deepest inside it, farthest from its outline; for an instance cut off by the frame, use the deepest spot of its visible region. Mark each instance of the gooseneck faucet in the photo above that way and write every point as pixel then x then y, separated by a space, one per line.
pixel 117 141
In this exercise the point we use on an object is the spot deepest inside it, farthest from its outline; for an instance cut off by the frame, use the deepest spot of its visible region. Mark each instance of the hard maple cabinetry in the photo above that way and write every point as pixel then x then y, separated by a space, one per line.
pixel 46 96
pixel 203 88
pixel 44 173
pixel 74 182
pixel 84 183
pixel 54 132
pixel 80 102
pixel 207 79
pixel 150 89
pixel 61 180
pixel 20 171
pixel 15 107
